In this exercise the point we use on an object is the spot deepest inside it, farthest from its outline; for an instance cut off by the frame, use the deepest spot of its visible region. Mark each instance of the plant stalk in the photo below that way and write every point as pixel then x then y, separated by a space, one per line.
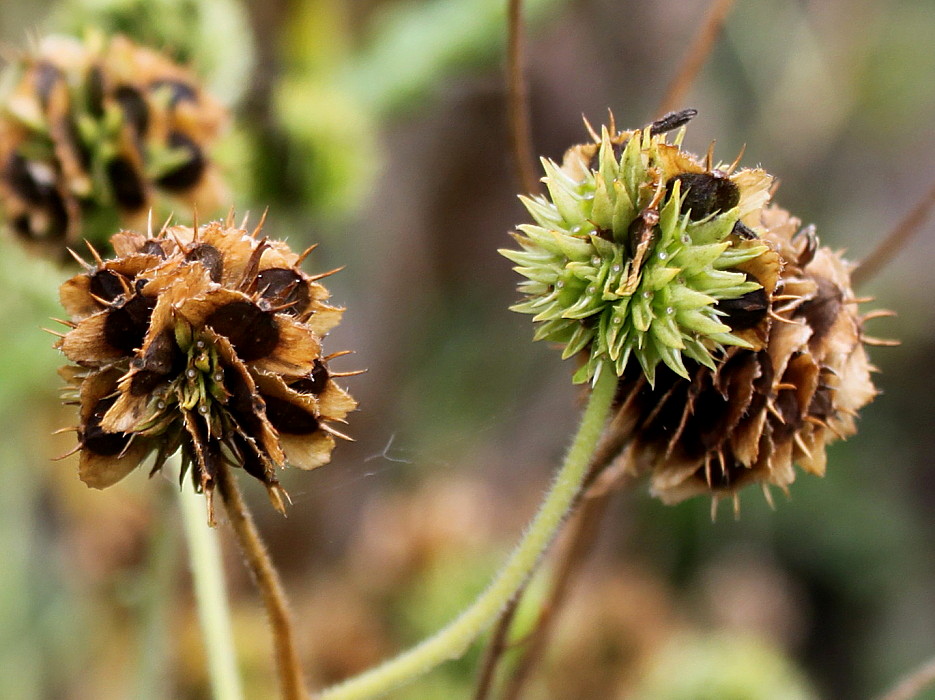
pixel 292 683
pixel 451 641
pixel 211 596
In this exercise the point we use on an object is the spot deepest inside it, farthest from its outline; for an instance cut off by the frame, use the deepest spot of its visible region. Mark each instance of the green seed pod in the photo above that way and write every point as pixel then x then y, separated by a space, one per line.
pixel 642 250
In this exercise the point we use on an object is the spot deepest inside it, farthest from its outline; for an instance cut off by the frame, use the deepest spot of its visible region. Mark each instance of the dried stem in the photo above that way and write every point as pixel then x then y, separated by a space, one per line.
pixel 518 102
pixel 696 56
pixel 267 580
pixel 913 684
pixel 497 646
pixel 894 240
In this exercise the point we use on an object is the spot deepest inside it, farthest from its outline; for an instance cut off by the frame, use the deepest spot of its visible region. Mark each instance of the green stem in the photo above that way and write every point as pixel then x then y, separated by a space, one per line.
pixel 157 579
pixel 211 595
pixel 451 641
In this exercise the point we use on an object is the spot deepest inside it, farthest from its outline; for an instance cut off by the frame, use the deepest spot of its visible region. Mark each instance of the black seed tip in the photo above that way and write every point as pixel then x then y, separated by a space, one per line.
pixel 135 109
pixel 125 326
pixel 672 120
pixel 178 91
pixel 106 285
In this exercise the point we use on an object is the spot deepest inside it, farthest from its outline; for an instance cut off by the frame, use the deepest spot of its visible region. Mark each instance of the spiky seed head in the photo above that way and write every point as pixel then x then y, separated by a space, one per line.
pixel 758 412
pixel 98 132
pixel 202 340
pixel 643 253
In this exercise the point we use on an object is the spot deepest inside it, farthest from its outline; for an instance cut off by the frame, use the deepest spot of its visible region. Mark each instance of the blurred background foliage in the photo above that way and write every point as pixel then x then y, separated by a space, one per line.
pixel 378 127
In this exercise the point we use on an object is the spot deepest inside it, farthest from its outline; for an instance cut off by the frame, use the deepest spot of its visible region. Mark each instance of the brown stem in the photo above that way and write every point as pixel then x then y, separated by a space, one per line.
pixel 894 240
pixel 910 686
pixel 518 101
pixel 584 532
pixel 602 480
pixel 497 646
pixel 267 581
pixel 696 56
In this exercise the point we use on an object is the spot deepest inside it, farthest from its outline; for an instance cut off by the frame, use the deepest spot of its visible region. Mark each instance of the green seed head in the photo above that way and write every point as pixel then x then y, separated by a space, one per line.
pixel 634 248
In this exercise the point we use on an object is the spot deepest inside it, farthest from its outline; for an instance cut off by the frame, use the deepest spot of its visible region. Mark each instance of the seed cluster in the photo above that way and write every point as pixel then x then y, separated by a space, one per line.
pixel 749 345
pixel 642 251
pixel 759 412
pixel 96 131
pixel 203 339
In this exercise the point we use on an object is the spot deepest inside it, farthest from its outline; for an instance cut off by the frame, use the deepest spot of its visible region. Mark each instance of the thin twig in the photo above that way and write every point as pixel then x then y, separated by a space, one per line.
pixel 696 56
pixel 583 534
pixel 267 580
pixel 518 102
pixel 497 646
pixel 913 684
pixel 894 240
pixel 600 481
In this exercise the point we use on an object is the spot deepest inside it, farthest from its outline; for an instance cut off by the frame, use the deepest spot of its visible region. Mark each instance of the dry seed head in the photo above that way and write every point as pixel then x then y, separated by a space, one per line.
pixel 100 131
pixel 643 252
pixel 206 340
pixel 758 411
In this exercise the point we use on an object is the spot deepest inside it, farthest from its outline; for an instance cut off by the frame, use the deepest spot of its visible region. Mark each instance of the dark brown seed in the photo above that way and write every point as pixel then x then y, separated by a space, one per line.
pixel 704 194
pixel 178 91
pixel 106 285
pixel 125 326
pixel 135 109
pixel 95 96
pixel 282 286
pixel 745 311
pixel 94 439
pixel 187 174
pixel 21 181
pixel 287 417
pixel 315 382
pixel 126 184
pixel 152 247
pixel 743 231
pixel 252 331
pixel 210 257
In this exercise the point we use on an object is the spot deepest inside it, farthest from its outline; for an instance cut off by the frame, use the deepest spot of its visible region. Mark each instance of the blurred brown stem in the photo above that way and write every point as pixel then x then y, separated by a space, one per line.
pixel 600 483
pixel 696 56
pixel 518 101
pixel 267 580
pixel 894 240
pixel 910 686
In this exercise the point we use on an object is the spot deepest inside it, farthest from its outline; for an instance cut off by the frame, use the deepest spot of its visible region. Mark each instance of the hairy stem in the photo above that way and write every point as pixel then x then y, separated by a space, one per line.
pixel 267 581
pixel 451 641
pixel 518 102
pixel 211 596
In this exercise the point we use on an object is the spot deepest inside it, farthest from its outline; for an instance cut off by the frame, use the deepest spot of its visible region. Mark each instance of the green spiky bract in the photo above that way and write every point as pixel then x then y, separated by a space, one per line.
pixel 579 254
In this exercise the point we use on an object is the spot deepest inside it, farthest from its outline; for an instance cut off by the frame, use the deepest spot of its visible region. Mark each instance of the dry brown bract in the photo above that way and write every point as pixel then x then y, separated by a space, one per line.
pixel 764 409
pixel 206 340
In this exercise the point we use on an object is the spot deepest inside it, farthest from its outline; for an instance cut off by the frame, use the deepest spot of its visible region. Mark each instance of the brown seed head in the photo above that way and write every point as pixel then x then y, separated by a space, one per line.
pixel 206 340
pixel 760 410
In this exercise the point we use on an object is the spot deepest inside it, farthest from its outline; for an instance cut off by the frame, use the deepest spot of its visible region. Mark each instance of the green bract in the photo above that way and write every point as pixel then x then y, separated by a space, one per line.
pixel 633 250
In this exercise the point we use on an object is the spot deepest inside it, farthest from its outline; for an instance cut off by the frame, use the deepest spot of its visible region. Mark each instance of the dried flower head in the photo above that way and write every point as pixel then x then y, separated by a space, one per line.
pixel 642 250
pixel 203 339
pixel 99 130
pixel 759 411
